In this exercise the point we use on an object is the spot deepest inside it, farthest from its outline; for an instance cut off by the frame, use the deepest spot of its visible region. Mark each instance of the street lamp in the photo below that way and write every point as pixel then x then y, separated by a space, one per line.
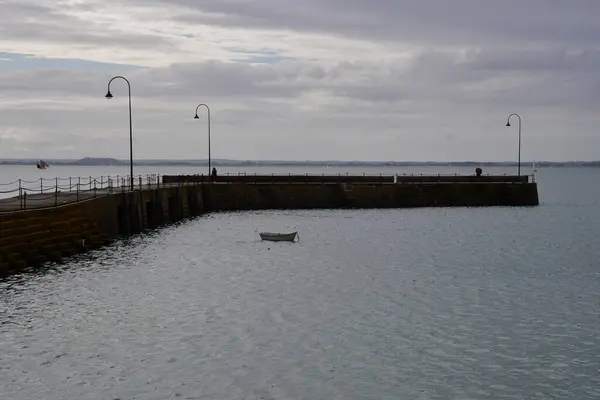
pixel 196 117
pixel 508 124
pixel 110 96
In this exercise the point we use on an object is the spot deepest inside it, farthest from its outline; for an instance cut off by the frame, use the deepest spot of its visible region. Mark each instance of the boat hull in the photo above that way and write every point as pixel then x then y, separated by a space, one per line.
pixel 278 237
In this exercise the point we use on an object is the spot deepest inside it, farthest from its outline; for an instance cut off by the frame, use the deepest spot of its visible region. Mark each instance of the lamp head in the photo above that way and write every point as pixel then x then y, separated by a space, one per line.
pixel 196 117
pixel 508 123
pixel 108 95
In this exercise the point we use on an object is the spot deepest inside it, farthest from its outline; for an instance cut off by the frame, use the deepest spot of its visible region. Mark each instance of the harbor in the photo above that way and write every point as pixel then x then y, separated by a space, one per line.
pixel 80 214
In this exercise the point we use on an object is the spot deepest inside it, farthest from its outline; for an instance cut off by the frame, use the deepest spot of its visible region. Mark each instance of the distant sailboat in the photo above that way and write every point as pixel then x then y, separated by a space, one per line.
pixel 42 164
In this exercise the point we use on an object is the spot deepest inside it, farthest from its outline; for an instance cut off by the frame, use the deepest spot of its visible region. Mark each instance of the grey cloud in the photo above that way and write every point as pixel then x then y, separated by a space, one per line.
pixel 430 22
pixel 71 34
pixel 574 61
pixel 60 83
pixel 22 21
pixel 436 76
pixel 427 21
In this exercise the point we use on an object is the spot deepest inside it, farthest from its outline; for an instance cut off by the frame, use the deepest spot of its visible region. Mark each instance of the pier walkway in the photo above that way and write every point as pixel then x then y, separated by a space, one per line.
pixel 22 195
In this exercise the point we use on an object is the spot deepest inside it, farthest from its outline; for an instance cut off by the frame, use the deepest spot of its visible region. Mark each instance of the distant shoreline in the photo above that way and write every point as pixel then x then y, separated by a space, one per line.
pixel 276 163
pixel 88 161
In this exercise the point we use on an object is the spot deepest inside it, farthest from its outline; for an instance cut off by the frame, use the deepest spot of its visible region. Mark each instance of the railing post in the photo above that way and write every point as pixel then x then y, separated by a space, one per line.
pixel 20 194
pixel 24 200
pixel 90 183
pixel 70 184
pixel 56 193
pixel 140 181
pixel 41 185
pixel 78 187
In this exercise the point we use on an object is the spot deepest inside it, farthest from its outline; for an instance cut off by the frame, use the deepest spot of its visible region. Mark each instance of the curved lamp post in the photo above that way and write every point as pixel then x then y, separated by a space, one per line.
pixel 110 96
pixel 196 117
pixel 508 124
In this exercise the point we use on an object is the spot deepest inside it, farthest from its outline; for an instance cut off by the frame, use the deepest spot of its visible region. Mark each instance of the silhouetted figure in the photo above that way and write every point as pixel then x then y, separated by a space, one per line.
pixel 478 171
pixel 213 175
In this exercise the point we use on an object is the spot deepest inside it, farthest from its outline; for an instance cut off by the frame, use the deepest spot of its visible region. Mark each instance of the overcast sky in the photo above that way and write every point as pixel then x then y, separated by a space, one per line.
pixel 301 79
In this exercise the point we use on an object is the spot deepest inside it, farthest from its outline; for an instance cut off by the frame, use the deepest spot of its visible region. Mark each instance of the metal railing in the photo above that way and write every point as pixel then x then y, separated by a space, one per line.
pixel 22 194
pixel 406 178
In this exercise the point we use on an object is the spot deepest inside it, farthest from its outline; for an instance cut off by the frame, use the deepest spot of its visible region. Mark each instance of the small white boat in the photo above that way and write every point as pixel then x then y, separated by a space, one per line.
pixel 278 237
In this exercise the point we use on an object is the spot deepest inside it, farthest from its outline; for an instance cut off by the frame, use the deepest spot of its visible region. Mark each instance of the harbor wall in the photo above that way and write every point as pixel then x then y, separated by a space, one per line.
pixel 408 179
pixel 30 238
pixel 241 197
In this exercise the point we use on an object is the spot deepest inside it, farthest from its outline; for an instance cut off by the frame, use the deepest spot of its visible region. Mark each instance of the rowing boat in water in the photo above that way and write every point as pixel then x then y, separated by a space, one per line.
pixel 278 237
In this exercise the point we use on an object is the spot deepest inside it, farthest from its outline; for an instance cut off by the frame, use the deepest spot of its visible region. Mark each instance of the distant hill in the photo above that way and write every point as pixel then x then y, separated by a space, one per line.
pixel 95 161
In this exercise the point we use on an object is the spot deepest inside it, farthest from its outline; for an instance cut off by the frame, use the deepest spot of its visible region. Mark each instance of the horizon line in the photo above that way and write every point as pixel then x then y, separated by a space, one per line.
pixel 205 160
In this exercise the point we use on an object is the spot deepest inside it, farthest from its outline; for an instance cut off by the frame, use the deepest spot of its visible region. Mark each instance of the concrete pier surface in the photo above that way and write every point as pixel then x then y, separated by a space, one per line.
pixel 60 198
pixel 45 200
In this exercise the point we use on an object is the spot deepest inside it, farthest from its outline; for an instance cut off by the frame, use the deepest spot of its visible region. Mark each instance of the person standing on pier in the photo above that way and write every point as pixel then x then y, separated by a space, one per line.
pixel 213 175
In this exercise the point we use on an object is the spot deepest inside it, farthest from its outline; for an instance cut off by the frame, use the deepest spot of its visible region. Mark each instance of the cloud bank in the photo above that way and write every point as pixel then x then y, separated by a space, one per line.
pixel 350 80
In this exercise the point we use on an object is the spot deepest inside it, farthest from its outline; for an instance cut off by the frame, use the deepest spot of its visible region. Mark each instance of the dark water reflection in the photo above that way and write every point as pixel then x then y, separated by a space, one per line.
pixel 418 304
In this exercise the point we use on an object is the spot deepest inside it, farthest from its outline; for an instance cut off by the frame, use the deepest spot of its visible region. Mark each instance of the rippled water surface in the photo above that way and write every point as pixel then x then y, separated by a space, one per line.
pixel 487 303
